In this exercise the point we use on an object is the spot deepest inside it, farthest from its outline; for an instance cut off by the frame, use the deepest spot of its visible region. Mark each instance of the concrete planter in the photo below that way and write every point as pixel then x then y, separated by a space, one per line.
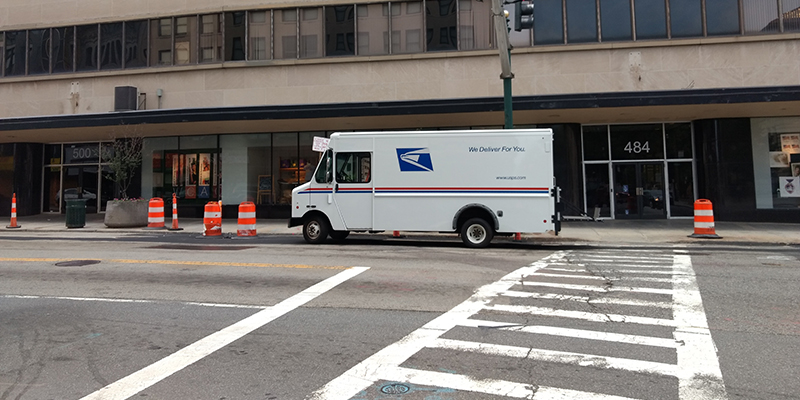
pixel 126 214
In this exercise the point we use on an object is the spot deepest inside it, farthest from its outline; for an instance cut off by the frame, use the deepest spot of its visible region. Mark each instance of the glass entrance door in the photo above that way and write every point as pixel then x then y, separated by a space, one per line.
pixel 80 182
pixel 639 190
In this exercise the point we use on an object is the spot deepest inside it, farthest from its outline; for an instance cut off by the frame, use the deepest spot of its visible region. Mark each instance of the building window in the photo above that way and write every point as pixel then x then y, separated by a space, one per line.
pixel 210 38
pixel 340 31
pixel 581 21
pixel 373 22
pixel 260 35
pixel 722 17
pixel 685 17
pixel 615 20
pixel 441 25
pixel 111 46
pixel 165 27
pixel 160 45
pixel 286 34
pixel 475 28
pixel 234 36
pixel 87 48
pixel 135 44
pixel 15 53
pixel 310 33
pixel 548 27
pixel 651 19
pixel 761 16
pixel 38 51
pixel 406 28
pixel 186 42
pixel 791 15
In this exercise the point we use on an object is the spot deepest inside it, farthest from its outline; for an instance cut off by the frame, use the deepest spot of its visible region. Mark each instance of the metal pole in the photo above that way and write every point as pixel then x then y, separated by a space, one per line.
pixel 507 104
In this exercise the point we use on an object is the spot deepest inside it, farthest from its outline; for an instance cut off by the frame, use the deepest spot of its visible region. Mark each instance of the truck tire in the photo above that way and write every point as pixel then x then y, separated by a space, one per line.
pixel 476 233
pixel 339 236
pixel 315 229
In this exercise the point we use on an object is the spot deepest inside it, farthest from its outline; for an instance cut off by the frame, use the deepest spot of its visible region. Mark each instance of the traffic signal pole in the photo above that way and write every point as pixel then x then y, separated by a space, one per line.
pixel 501 29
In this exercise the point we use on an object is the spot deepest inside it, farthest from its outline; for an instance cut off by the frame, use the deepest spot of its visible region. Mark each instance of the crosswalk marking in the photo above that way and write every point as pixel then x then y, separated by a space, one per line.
pixel 696 370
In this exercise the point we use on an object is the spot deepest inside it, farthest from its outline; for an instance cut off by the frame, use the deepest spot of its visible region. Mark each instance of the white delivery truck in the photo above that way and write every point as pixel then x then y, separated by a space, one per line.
pixel 477 183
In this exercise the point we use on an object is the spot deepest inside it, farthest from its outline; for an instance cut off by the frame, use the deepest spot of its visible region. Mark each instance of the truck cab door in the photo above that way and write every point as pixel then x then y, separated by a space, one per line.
pixel 352 191
pixel 320 191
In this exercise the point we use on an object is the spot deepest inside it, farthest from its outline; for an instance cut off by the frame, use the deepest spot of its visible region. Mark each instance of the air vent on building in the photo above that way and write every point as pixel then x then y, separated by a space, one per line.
pixel 125 98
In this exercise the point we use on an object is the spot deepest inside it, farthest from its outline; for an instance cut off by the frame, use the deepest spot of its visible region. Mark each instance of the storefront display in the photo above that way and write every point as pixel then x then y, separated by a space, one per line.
pixel 776 159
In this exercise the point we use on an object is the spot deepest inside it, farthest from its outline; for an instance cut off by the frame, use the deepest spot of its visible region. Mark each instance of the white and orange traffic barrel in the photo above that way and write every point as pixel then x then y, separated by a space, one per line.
pixel 212 219
pixel 155 213
pixel 704 220
pixel 247 220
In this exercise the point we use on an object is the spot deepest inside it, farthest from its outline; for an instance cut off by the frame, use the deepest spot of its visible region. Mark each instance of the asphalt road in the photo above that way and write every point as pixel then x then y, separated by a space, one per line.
pixel 274 318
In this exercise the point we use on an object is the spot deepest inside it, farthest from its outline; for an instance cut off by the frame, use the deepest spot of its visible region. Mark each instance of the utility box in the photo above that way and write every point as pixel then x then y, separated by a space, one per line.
pixel 125 98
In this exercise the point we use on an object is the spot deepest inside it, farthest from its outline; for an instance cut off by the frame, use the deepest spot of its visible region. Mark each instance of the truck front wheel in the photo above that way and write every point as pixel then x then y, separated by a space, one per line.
pixel 476 233
pixel 315 229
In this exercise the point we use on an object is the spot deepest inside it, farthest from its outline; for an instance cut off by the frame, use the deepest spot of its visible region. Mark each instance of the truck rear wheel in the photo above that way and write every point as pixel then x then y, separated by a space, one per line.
pixel 476 233
pixel 315 229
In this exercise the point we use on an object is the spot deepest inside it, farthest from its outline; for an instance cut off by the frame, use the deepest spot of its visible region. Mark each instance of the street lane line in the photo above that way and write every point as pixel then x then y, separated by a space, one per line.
pixel 587 316
pixel 154 373
pixel 560 357
pixel 698 356
pixel 100 299
pixel 489 386
pixel 587 299
pixel 367 372
pixel 589 288
pixel 177 262
pixel 573 333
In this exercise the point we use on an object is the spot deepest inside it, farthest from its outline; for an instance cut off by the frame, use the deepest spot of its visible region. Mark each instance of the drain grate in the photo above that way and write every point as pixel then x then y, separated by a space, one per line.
pixel 76 263
pixel 395 388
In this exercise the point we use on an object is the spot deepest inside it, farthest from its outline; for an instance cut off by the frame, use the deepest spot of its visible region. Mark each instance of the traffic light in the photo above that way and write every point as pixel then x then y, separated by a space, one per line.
pixel 508 21
pixel 523 16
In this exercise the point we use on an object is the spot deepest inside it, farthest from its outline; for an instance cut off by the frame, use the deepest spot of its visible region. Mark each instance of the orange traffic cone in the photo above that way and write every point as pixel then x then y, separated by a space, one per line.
pixel 175 214
pixel 14 213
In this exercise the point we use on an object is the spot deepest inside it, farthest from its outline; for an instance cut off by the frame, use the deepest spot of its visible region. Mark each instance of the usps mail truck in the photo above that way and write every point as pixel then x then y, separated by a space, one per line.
pixel 477 183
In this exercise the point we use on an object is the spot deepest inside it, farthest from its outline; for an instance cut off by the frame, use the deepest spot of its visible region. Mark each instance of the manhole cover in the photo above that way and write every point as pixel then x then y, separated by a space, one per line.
pixel 76 263
pixel 395 388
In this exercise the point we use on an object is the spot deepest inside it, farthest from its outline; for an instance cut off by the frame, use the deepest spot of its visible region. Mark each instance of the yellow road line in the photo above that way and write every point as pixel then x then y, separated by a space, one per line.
pixel 175 262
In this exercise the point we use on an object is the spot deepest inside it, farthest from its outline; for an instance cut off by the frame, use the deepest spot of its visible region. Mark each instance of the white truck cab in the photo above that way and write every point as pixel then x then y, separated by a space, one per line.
pixel 477 183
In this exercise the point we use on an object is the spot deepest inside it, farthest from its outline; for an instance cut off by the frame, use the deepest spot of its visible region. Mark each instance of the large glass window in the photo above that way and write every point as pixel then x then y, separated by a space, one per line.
pixel 681 189
pixel 234 36
pixel 161 41
pixel 791 15
pixel 15 53
pixel 760 16
pixel 63 47
pixel 595 143
pixel 339 31
pixel 373 29
pixel 247 168
pixel 38 51
pixel 2 51
pixel 135 44
pixel 260 35
pixel 210 38
pixel 186 43
pixel 615 20
pixel 679 140
pixel 311 32
pixel 286 162
pixel 286 34
pixel 651 19
pixel 407 27
pixel 598 197
pixel 441 25
pixel 548 25
pixel 111 46
pixel 637 142
pixel 86 50
pixel 581 21
pixel 685 18
pixel 475 29
pixel 722 17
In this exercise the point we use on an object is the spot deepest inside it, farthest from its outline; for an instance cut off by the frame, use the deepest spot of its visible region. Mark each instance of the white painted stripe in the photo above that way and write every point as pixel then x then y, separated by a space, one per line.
pixel 583 266
pixel 14 214
pixel 587 299
pixel 615 260
pixel 247 214
pixel 704 213
pixel 155 209
pixel 649 271
pixel 148 376
pixel 136 301
pixel 698 356
pixel 489 386
pixel 574 333
pixel 561 357
pixel 209 214
pixel 703 224
pixel 246 227
pixel 155 219
pixel 589 288
pixel 595 317
pixel 663 257
pixel 366 372
pixel 604 278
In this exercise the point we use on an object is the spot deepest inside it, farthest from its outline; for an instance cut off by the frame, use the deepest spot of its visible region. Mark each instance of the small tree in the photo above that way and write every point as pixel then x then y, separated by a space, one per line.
pixel 124 156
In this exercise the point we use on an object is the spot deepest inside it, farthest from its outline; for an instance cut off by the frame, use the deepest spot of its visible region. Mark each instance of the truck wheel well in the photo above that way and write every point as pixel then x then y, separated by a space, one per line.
pixel 310 214
pixel 474 211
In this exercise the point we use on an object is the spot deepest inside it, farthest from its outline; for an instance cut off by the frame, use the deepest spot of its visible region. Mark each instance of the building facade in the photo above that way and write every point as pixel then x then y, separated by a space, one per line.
pixel 654 103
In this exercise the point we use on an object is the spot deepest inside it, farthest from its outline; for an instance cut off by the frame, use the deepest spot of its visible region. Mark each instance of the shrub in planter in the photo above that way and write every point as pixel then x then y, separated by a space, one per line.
pixel 126 213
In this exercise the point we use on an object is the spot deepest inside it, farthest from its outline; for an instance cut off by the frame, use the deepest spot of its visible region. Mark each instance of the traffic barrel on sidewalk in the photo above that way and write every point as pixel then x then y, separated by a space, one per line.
pixel 175 214
pixel 13 224
pixel 212 219
pixel 704 220
pixel 247 220
pixel 155 214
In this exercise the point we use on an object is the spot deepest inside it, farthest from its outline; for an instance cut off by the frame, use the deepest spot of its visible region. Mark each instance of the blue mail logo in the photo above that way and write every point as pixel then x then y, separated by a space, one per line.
pixel 415 159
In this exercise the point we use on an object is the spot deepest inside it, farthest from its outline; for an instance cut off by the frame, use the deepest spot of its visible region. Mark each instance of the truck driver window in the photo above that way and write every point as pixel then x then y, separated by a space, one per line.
pixel 353 167
pixel 323 174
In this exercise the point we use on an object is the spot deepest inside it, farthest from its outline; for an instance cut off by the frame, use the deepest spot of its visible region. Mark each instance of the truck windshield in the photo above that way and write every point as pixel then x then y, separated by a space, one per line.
pixel 323 174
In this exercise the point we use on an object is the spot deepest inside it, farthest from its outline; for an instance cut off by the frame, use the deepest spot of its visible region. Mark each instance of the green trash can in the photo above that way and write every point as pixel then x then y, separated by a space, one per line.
pixel 76 213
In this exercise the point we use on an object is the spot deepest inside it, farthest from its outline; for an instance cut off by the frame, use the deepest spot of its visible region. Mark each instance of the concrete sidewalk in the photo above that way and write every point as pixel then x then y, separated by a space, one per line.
pixel 604 232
